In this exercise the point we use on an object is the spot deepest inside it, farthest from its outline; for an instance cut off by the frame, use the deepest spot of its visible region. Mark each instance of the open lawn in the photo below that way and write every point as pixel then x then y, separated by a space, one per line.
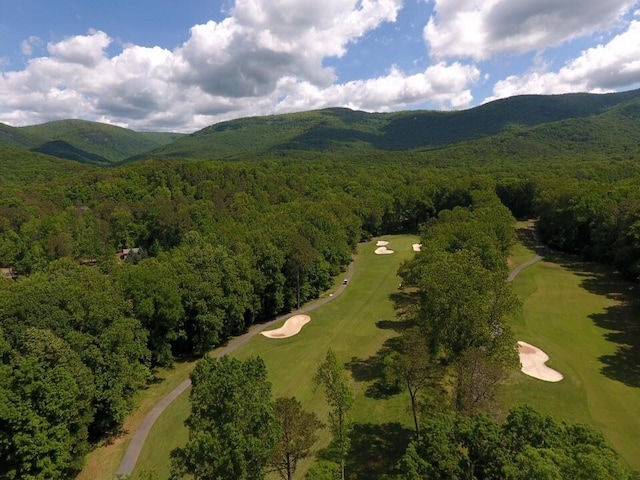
pixel 356 326
pixel 587 320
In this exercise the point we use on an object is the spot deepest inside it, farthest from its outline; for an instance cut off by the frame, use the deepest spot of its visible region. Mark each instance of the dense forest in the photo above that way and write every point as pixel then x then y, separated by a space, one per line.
pixel 109 273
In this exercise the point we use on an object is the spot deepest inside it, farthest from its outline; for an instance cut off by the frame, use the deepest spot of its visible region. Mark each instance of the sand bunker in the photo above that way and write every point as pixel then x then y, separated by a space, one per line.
pixel 416 247
pixel 383 251
pixel 291 327
pixel 533 362
pixel 381 243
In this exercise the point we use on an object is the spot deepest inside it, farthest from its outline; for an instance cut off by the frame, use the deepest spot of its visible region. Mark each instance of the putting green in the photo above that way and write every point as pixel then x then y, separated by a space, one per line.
pixel 347 325
pixel 583 316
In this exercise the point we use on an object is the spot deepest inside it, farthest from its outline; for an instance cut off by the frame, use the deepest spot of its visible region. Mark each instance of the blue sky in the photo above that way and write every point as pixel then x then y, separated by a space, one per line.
pixel 167 65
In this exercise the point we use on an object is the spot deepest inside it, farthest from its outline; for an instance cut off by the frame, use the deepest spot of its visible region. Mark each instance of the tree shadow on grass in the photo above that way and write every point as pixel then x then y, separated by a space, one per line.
pixel 375 450
pixel 405 303
pixel 622 320
pixel 372 370
pixel 527 236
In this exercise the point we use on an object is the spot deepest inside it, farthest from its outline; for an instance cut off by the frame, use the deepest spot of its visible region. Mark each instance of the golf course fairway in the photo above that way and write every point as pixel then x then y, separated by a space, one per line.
pixel 351 326
pixel 586 318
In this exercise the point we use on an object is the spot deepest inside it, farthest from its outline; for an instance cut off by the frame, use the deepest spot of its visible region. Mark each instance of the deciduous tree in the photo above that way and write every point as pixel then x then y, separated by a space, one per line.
pixel 331 376
pixel 232 425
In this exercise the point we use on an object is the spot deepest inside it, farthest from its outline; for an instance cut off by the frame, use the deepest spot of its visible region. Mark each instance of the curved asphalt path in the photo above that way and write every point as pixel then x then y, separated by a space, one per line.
pixel 140 435
pixel 539 248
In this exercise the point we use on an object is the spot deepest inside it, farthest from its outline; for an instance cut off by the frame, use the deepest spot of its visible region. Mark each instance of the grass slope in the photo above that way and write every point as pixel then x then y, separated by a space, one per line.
pixel 348 326
pixel 584 317
pixel 84 141
pixel 340 130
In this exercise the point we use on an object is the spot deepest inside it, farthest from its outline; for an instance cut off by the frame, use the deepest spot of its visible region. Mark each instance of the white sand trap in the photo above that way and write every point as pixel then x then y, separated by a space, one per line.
pixel 383 251
pixel 533 362
pixel 381 243
pixel 291 327
pixel 416 247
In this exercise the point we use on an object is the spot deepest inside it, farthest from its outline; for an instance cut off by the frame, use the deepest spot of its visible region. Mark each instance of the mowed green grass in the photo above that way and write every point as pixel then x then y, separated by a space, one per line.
pixel 584 317
pixel 347 325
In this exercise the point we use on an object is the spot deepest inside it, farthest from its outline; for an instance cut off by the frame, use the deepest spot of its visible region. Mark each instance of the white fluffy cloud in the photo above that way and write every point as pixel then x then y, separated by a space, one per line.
pixel 603 68
pixel 86 50
pixel 266 56
pixel 442 84
pixel 480 29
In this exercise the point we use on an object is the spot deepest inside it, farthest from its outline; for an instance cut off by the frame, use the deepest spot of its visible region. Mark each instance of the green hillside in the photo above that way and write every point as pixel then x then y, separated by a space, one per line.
pixel 340 130
pixel 526 126
pixel 83 141
pixel 20 166
pixel 14 137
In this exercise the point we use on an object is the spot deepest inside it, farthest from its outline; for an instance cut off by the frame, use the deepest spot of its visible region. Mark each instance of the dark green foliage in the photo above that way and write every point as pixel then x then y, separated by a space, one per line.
pixel 232 425
pixel 528 445
pixel 62 149
pixel 464 298
pixel 81 306
pixel 152 289
pixel 46 407
pixel 596 220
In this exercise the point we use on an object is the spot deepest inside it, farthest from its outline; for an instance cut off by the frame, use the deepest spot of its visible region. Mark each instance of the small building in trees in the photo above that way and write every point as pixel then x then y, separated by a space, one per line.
pixel 8 272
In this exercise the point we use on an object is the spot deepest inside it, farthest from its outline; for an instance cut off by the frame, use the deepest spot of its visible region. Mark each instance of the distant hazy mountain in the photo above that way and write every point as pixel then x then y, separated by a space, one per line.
pixel 83 141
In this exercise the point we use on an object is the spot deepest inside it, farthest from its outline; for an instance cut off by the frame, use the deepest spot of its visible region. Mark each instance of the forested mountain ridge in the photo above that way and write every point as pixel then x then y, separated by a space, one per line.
pixel 524 126
pixel 83 141
pixel 344 131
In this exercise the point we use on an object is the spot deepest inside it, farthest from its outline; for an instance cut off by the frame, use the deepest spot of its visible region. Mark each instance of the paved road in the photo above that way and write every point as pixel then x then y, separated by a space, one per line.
pixel 539 249
pixel 140 435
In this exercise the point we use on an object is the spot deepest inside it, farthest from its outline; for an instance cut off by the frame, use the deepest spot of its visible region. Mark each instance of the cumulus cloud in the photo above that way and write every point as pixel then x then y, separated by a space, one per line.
pixel 600 69
pixel 266 56
pixel 441 85
pixel 481 29
pixel 263 41
pixel 85 50
pixel 27 46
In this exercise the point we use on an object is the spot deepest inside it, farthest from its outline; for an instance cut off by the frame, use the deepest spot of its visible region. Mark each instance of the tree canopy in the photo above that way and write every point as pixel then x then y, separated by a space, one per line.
pixel 232 426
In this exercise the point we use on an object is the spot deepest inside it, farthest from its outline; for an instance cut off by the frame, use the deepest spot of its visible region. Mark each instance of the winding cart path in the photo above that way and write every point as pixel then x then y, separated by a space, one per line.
pixel 539 249
pixel 140 435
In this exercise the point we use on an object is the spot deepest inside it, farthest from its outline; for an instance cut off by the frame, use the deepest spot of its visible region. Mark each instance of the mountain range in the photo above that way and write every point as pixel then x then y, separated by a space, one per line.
pixel 527 125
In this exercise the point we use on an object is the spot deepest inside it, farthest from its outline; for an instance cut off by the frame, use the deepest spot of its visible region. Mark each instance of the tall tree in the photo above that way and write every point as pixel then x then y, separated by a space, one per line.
pixel 413 368
pixel 478 377
pixel 462 304
pixel 232 425
pixel 301 259
pixel 298 434
pixel 331 376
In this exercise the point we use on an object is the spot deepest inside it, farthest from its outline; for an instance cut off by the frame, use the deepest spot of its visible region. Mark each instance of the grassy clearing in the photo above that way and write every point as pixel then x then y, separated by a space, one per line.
pixel 348 325
pixel 584 317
